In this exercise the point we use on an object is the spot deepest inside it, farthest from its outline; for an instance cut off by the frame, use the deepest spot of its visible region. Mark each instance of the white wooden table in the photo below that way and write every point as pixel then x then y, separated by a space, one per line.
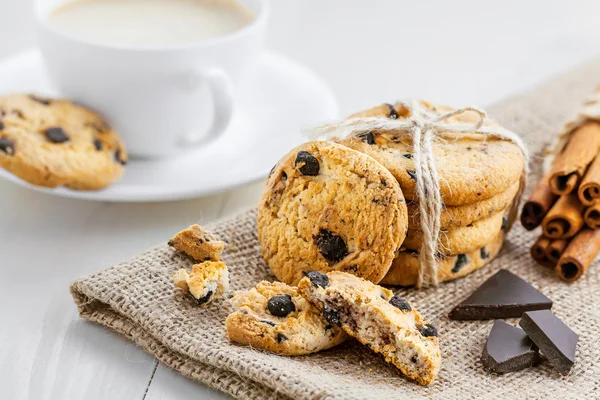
pixel 460 52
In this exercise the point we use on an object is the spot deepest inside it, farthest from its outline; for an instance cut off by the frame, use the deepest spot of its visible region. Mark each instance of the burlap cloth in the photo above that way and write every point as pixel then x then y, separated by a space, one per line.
pixel 138 299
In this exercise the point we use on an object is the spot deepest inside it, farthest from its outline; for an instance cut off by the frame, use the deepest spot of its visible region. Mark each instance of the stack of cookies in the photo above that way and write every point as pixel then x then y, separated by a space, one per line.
pixel 352 206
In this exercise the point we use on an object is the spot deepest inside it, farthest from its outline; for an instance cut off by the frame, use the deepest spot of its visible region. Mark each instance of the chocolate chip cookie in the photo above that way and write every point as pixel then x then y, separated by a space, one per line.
pixel 207 281
pixel 52 143
pixel 274 317
pixel 470 169
pixel 388 324
pixel 197 243
pixel 460 240
pixel 405 268
pixel 326 207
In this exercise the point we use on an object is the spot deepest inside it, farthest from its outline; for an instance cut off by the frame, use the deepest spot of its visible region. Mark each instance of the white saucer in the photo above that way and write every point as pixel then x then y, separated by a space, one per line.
pixel 282 98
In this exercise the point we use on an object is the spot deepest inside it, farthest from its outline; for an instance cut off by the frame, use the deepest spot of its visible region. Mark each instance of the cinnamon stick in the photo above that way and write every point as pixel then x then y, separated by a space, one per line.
pixel 565 218
pixel 591 216
pixel 589 189
pixel 555 250
pixel 578 255
pixel 538 252
pixel 571 163
pixel 536 208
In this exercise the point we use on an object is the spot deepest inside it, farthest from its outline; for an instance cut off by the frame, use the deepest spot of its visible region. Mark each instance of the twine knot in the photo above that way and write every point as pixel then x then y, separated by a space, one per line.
pixel 424 126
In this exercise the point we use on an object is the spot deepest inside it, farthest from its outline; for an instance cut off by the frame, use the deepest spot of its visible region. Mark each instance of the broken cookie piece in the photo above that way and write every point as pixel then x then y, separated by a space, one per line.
pixel 388 324
pixel 207 281
pixel 197 243
pixel 274 317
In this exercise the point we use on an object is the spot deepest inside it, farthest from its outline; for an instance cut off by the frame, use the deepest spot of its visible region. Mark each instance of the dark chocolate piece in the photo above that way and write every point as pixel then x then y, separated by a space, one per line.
pixel 7 146
pixel 367 137
pixel 508 349
pixel 412 174
pixel 392 114
pixel 205 299
pixel 119 159
pixel 555 340
pixel 330 245
pixel 281 306
pixel 56 135
pixel 461 261
pixel 306 163
pixel 281 338
pixel 400 303
pixel 318 279
pixel 97 144
pixel 428 330
pixel 504 295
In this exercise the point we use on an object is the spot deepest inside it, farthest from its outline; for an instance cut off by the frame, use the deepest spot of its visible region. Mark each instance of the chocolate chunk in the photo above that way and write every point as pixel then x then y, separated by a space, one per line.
pixel 392 114
pixel 461 261
pixel 205 299
pixel 504 222
pixel 508 349
pixel 483 253
pixel 97 144
pixel 367 137
pixel 556 340
pixel 318 279
pixel 306 163
pixel 56 135
pixel 264 321
pixel 7 146
pixel 331 246
pixel 407 155
pixel 40 100
pixel 428 330
pixel 281 338
pixel 331 316
pixel 412 174
pixel 414 359
pixel 119 159
pixel 384 182
pixel 504 295
pixel 1 125
pixel 400 303
pixel 283 176
pixel 281 306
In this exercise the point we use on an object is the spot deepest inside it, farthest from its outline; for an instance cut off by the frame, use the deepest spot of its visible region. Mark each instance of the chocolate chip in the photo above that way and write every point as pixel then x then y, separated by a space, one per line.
pixel 367 137
pixel 281 306
pixel 97 144
pixel 7 146
pixel 171 243
pixel 461 261
pixel 309 165
pixel 483 253
pixel 412 174
pixel 284 176
pixel 205 299
pixel 40 100
pixel 428 330
pixel 504 222
pixel 400 303
pixel 1 125
pixel 281 338
pixel 414 359
pixel 392 114
pixel 264 321
pixel 384 182
pixel 407 155
pixel 318 279
pixel 56 135
pixel 331 246
pixel 118 158
pixel 331 316
pixel 328 327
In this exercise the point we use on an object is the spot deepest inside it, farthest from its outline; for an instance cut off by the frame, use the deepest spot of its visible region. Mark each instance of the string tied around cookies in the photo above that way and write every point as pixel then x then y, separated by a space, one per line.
pixel 424 127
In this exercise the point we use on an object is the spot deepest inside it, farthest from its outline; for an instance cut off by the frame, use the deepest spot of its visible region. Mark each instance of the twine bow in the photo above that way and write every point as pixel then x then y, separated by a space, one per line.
pixel 424 127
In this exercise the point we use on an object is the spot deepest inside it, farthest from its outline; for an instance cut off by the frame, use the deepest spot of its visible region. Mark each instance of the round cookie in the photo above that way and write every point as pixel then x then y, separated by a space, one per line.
pixel 405 268
pixel 471 169
pixel 460 240
pixel 326 207
pixel 53 143
pixel 458 216
pixel 274 317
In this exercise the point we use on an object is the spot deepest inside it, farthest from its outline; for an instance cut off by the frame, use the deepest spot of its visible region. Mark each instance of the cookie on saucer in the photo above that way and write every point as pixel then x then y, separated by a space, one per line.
pixel 326 207
pixel 49 142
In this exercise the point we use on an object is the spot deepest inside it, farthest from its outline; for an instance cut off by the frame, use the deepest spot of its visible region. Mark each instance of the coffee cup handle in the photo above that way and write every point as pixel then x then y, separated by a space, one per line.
pixel 221 90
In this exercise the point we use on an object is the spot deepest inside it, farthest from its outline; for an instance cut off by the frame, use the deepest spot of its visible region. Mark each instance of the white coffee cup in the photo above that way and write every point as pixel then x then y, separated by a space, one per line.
pixel 161 100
